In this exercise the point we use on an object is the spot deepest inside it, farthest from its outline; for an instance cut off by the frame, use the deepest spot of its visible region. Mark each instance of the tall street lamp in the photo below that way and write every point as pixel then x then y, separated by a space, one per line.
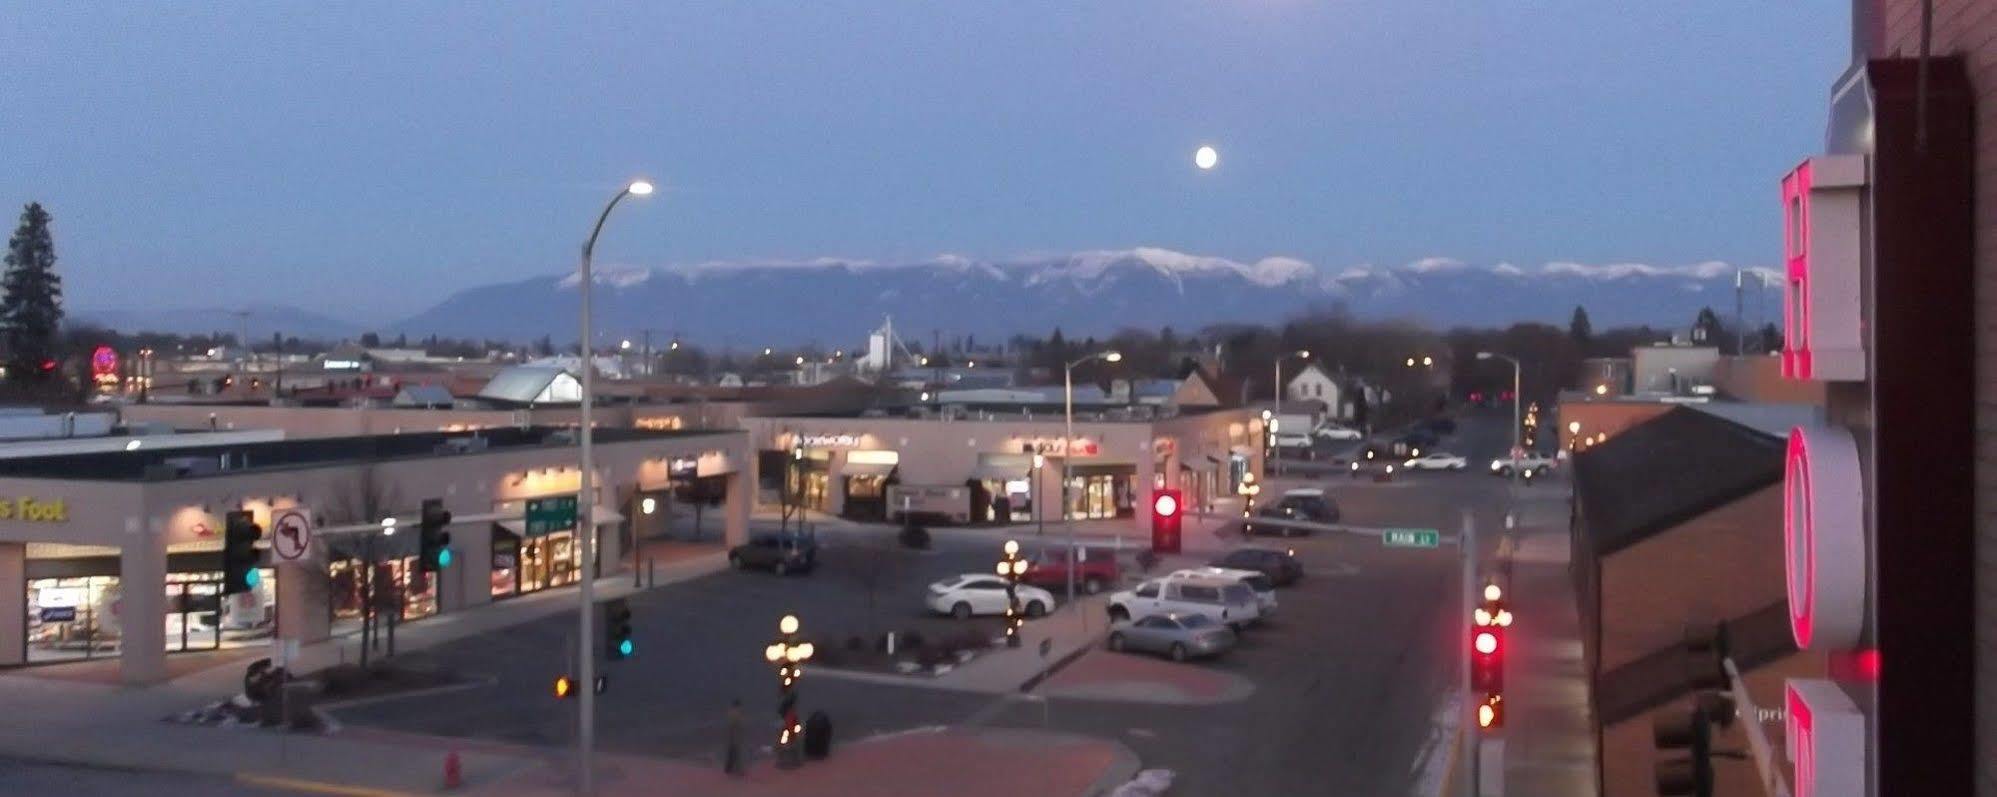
pixel 1301 354
pixel 586 508
pixel 1011 568
pixel 1068 450
pixel 1039 512
pixel 1516 397
pixel 788 653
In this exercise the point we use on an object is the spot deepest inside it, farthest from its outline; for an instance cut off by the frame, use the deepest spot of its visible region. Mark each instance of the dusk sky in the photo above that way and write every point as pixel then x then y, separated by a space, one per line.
pixel 365 160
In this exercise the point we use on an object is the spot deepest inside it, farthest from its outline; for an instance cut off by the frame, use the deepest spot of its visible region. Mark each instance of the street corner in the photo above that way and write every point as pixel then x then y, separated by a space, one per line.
pixel 1107 675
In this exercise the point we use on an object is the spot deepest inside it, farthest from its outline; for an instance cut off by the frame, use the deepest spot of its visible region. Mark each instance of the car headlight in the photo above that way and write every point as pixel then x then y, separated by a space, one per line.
pixel 1495 464
pixel 1409 463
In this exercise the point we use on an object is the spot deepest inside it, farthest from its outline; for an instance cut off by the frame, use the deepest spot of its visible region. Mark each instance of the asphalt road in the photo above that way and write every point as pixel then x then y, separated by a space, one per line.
pixel 25 778
pixel 1348 678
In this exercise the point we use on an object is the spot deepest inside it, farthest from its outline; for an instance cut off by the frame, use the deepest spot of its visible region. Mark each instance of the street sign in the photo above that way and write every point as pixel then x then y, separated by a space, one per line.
pixel 549 515
pixel 291 535
pixel 1410 538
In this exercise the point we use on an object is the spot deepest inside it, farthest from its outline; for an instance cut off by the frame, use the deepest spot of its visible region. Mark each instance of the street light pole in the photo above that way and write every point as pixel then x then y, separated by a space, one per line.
pixel 1302 354
pixel 1068 453
pixel 586 516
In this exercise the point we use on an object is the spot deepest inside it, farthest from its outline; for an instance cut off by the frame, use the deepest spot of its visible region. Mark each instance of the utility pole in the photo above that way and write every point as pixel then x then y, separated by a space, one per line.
pixel 243 337
pixel 1740 325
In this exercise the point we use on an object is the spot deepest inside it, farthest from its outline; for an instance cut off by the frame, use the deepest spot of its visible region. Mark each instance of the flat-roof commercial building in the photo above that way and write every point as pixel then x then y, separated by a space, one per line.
pixel 118 552
pixel 980 467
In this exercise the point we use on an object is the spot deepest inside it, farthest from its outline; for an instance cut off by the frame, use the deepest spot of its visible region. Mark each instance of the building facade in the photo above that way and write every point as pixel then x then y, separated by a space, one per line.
pixel 118 553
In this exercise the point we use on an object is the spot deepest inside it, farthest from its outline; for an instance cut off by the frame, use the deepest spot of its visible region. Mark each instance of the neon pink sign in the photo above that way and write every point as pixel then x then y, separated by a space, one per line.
pixel 1823 250
pixel 1824 538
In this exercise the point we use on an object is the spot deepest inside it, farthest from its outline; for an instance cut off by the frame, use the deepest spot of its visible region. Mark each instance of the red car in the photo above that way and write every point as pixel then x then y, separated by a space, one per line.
pixel 1096 570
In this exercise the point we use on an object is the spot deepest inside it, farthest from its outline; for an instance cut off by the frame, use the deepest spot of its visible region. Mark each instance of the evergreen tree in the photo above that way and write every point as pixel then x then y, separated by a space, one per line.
pixel 370 340
pixel 31 296
pixel 1579 329
pixel 1707 329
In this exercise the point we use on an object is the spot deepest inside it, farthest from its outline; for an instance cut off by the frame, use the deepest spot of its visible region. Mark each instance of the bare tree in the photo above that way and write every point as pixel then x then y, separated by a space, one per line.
pixel 366 498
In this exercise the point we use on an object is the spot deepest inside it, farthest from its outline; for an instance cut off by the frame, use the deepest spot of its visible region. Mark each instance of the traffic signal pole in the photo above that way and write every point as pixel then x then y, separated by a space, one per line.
pixel 1466 543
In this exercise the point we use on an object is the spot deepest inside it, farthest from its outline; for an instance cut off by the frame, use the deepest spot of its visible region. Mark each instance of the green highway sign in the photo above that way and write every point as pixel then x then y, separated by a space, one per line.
pixel 1410 538
pixel 549 515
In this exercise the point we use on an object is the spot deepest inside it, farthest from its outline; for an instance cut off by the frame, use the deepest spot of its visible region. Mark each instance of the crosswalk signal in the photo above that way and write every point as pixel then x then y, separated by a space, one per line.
pixel 1491 712
pixel 565 687
pixel 434 541
pixel 239 553
pixel 617 642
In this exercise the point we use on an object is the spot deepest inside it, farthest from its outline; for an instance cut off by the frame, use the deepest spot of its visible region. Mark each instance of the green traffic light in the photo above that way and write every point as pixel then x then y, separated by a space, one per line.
pixel 444 558
pixel 252 576
pixel 625 647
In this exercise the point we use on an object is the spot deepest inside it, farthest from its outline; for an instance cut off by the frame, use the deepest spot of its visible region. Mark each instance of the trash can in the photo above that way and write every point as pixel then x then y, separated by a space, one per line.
pixel 817 735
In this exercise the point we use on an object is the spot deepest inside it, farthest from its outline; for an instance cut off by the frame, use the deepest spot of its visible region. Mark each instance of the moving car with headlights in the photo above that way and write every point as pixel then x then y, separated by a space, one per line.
pixel 1437 460
pixel 1179 637
pixel 975 594
pixel 1281 567
pixel 1306 504
pixel 781 554
pixel 1531 462
pixel 1228 602
pixel 1265 589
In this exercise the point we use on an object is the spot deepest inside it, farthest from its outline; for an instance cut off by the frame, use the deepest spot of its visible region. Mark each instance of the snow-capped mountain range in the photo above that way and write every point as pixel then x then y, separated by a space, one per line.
pixel 770 302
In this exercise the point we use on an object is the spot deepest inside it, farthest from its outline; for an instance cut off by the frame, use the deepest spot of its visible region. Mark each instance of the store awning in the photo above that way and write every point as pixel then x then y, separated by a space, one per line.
pixel 869 468
pixel 1001 471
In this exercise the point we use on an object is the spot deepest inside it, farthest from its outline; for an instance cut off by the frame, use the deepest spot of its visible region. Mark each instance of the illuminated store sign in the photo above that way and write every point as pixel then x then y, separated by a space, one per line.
pixel 1823 534
pixel 1823 246
pixel 34 510
pixel 1825 739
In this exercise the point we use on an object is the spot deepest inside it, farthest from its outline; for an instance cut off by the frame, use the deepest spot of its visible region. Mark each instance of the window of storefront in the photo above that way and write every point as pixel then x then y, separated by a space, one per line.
pixel 400 581
pixel 521 565
pixel 1101 492
pixel 77 617
pixel 868 474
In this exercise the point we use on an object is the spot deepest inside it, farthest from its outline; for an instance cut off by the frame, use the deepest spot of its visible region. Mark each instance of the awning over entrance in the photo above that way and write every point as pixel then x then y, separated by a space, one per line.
pixel 1003 467
pixel 869 468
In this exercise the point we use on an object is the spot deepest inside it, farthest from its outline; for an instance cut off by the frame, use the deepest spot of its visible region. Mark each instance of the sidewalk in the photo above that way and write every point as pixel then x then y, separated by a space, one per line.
pixel 1549 744
pixel 105 725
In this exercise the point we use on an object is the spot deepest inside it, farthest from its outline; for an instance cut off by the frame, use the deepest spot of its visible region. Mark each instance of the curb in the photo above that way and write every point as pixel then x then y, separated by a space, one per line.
pixel 1065 660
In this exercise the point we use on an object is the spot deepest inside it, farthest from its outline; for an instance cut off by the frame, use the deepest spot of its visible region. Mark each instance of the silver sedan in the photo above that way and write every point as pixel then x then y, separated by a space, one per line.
pixel 1179 637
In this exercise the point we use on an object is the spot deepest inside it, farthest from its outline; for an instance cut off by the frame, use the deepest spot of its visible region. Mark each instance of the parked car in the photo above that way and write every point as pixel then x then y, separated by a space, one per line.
pixel 1179 637
pixel 1265 589
pixel 1306 504
pixel 1293 440
pixel 782 554
pixel 1440 425
pixel 978 594
pixel 1437 460
pixel 1281 567
pixel 1230 602
pixel 1332 431
pixel 1095 569
pixel 1382 470
pixel 1531 462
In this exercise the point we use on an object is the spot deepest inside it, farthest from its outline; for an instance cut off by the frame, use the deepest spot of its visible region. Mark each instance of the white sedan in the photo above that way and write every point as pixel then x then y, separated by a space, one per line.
pixel 1332 431
pixel 978 594
pixel 1437 460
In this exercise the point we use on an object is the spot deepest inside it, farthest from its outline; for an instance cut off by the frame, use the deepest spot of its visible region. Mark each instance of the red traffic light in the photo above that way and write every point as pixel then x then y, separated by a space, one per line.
pixel 1166 504
pixel 1167 508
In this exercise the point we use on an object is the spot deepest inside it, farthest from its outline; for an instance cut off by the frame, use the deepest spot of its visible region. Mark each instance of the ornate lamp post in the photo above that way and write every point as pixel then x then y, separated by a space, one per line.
pixel 788 654
pixel 1012 568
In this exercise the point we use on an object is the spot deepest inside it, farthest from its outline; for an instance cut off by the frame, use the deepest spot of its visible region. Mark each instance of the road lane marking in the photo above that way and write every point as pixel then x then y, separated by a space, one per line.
pixel 314 786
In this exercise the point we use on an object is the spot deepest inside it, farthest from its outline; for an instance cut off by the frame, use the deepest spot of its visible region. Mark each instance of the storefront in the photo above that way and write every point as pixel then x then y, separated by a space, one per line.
pixel 1006 483
pixel 88 542
pixel 1097 491
pixel 74 608
pixel 866 476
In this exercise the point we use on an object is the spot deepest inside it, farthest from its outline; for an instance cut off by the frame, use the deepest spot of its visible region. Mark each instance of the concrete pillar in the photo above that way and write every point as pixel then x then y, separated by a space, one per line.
pixel 471 585
pixel 302 597
pixel 13 603
pixel 735 509
pixel 141 607
pixel 835 484
pixel 1147 474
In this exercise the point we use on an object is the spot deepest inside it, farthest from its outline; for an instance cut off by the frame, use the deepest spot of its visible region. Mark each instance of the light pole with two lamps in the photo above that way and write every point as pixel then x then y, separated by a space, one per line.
pixel 1068 452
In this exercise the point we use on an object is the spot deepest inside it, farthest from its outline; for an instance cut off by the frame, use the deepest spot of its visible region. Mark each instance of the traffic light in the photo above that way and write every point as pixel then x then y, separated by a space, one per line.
pixel 565 687
pixel 434 542
pixel 1689 730
pixel 1167 516
pixel 617 642
pixel 239 553
pixel 1487 660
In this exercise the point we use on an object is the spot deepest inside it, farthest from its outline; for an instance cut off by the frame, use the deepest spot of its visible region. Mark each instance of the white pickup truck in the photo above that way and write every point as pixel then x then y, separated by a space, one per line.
pixel 1530 463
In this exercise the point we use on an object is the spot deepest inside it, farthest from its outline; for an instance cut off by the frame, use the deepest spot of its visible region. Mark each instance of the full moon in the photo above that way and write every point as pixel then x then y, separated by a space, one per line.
pixel 1206 157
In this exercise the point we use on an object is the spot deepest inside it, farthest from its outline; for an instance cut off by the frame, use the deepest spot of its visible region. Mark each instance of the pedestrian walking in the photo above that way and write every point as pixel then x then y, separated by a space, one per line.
pixel 732 761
